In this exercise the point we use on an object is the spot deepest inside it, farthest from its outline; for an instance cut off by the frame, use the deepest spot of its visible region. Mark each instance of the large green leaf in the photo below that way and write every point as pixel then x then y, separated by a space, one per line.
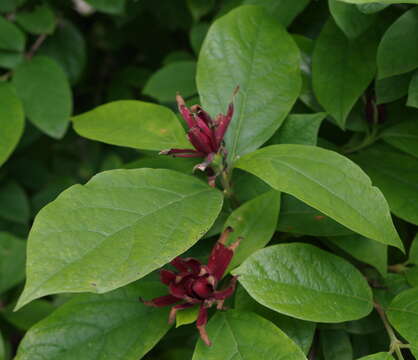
pixel 132 123
pixel 403 315
pixel 363 249
pixel 12 261
pixel 398 52
pixel 11 37
pixel 300 331
pixel 115 229
pixel 46 95
pixel 381 1
pixel 247 48
pixel 294 279
pixel 328 182
pixel 396 174
pixel 283 10
pixel 255 221
pixel 413 251
pixel 336 344
pixel 39 21
pixel 378 356
pixel 413 91
pixel 244 335
pixel 349 18
pixel 67 46
pixel 403 136
pixel 12 121
pixel 14 203
pixel 108 6
pixel 299 218
pixel 299 129
pixel 2 348
pixel 392 88
pixel 95 327
pixel 175 77
pixel 25 318
pixel 342 69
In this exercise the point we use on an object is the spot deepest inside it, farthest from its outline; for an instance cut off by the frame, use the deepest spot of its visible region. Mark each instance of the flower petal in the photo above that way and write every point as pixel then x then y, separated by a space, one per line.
pixel 221 256
pixel 226 293
pixel 167 276
pixel 199 140
pixel 185 112
pixel 201 321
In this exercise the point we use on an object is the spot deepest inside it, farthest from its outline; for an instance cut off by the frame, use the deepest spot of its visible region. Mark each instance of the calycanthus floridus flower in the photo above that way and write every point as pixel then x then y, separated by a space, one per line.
pixel 205 134
pixel 196 284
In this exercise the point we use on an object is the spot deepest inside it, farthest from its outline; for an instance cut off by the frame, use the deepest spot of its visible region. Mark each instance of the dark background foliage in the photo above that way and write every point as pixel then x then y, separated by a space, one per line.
pixel 147 50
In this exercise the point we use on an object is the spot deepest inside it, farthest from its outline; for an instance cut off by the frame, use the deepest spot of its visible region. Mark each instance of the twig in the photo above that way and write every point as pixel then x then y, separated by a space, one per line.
pixel 395 344
pixel 36 45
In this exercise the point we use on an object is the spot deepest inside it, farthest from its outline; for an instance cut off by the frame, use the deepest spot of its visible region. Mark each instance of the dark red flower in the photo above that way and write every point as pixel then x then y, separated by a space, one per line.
pixel 194 283
pixel 205 134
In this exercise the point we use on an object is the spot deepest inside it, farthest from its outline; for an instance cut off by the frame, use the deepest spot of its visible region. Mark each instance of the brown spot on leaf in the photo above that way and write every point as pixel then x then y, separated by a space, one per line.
pixel 319 217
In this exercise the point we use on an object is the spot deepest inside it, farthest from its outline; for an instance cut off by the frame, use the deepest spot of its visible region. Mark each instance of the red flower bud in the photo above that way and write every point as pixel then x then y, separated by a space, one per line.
pixel 196 283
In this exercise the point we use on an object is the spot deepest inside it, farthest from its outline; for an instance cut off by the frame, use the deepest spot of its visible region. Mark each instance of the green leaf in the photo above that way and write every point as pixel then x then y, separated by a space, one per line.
pixel 413 251
pixel 299 129
pixel 184 165
pixel 392 88
pixel 403 315
pixel 397 53
pixel 90 327
pixel 307 283
pixel 363 249
pixel 172 78
pixel 389 2
pixel 242 335
pixel 349 18
pixel 12 261
pixel 108 6
pixel 413 91
pixel 300 331
pixel 197 35
pixel 342 69
pixel 117 228
pixel 392 285
pixel 9 60
pixel 25 318
pixel 39 21
pixel 68 48
pixel 255 221
pixel 396 175
pixel 132 123
pixel 200 8
pixel 14 203
pixel 45 92
pixel 10 5
pixel 248 48
pixel 299 218
pixel 306 46
pixel 328 182
pixel 371 8
pixel 378 356
pixel 411 275
pixel 187 316
pixel 2 348
pixel 11 37
pixel 336 344
pixel 403 136
pixel 12 121
pixel 284 11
